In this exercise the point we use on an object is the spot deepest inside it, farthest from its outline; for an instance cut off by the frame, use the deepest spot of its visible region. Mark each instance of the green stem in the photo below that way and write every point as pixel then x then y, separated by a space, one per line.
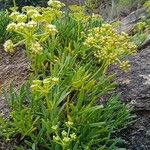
pixel 19 43
pixel 14 3
pixel 78 31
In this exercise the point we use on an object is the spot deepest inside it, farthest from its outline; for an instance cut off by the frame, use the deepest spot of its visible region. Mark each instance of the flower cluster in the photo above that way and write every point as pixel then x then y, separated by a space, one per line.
pixel 51 29
pixel 139 27
pixel 30 20
pixel 147 6
pixel 37 48
pixel 9 46
pixel 78 13
pixel 109 46
pixel 125 65
pixel 66 137
pixel 45 85
pixel 55 4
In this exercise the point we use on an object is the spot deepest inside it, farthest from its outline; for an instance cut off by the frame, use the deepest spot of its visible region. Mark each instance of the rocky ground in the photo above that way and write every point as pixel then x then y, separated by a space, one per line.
pixel 13 69
pixel 134 87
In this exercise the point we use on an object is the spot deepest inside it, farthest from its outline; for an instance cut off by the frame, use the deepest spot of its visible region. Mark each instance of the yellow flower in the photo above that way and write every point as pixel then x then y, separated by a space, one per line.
pixel 37 48
pixel 9 46
pixel 64 133
pixel 76 8
pixel 31 25
pixel 125 66
pixel 66 139
pixel 36 84
pixel 21 18
pixel 14 15
pixel 51 29
pixel 73 136
pixel 55 4
pixel 36 17
pixel 55 127
pixel 109 46
pixel 11 27
pixel 69 124
pixel 56 138
pixel 31 12
pixel 20 27
pixel 47 82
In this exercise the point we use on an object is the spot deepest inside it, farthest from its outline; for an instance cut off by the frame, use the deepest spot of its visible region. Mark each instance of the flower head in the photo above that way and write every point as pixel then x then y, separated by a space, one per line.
pixel 73 136
pixel 31 25
pixel 36 17
pixel 55 4
pixel 9 46
pixel 69 124
pixel 37 48
pixel 64 133
pixel 36 84
pixel 125 66
pixel 31 12
pixel 21 18
pixel 108 46
pixel 14 15
pixel 56 138
pixel 11 27
pixel 66 139
pixel 55 127
pixel 20 27
pixel 51 29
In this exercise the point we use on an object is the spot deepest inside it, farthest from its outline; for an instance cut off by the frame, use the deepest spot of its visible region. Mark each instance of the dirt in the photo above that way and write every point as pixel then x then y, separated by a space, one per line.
pixel 134 87
pixel 13 69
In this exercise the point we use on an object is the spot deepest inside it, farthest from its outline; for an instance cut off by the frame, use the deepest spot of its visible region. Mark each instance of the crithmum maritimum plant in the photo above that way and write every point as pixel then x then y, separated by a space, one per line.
pixel 35 26
pixel 60 109
pixel 109 47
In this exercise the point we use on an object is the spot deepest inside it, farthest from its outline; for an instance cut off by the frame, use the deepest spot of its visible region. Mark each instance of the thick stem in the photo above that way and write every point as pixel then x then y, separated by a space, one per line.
pixel 14 3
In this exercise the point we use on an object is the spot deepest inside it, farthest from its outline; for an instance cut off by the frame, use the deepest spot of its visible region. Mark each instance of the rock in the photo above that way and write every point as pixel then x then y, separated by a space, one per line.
pixel 129 22
pixel 72 2
pixel 148 133
pixel 135 85
pixel 134 16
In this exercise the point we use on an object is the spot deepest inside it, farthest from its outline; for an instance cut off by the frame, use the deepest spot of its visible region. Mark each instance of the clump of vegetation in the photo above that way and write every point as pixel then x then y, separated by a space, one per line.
pixel 141 32
pixel 4 21
pixel 109 47
pixel 147 5
pixel 142 29
pixel 58 109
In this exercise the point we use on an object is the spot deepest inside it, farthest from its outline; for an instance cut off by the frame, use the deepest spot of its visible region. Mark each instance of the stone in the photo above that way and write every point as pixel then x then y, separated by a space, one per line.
pixel 128 23
pixel 135 84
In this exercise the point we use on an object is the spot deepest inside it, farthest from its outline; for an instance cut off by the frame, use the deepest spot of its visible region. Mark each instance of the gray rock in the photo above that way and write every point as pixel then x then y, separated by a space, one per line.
pixel 135 85
pixel 129 22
